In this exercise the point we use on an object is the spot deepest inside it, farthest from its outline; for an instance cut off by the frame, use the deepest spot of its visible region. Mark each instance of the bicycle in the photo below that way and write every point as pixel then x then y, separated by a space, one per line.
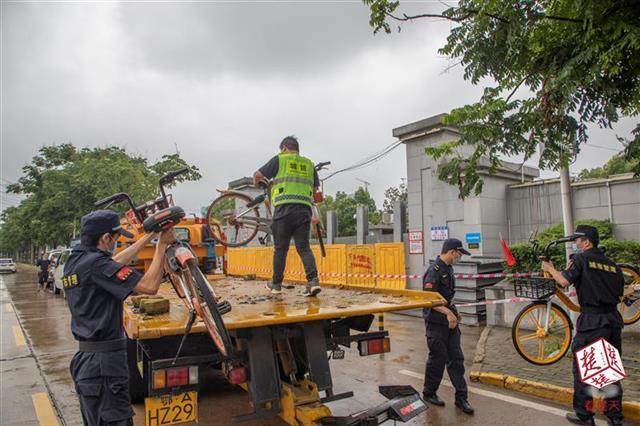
pixel 542 330
pixel 180 263
pixel 234 217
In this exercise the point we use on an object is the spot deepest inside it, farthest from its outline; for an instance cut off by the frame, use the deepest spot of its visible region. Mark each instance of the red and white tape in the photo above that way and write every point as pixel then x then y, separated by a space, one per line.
pixel 501 301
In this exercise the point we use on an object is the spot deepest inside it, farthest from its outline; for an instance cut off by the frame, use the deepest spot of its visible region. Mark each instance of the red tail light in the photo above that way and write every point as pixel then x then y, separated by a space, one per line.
pixel 177 377
pixel 237 375
pixel 375 346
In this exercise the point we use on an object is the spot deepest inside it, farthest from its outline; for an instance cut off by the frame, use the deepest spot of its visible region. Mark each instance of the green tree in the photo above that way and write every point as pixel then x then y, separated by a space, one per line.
pixel 616 165
pixel 345 207
pixel 62 184
pixel 554 66
pixel 393 194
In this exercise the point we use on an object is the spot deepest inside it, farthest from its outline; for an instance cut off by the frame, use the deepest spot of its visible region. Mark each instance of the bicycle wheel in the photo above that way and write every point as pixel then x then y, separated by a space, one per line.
pixel 530 339
pixel 224 223
pixel 629 306
pixel 207 309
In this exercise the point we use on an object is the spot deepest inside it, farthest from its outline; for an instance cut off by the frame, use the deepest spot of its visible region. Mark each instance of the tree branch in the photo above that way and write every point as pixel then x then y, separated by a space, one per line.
pixel 517 87
pixel 471 13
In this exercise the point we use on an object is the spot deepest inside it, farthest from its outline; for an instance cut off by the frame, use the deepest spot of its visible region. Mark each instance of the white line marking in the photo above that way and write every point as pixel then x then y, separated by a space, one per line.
pixel 501 397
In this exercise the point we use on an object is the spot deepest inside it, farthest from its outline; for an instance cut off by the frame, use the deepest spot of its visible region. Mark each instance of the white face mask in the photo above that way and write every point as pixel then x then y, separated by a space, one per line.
pixel 112 250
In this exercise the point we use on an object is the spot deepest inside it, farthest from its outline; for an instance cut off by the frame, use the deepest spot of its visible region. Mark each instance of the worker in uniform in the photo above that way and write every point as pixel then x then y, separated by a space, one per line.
pixel 43 273
pixel 295 182
pixel 96 284
pixel 443 332
pixel 600 285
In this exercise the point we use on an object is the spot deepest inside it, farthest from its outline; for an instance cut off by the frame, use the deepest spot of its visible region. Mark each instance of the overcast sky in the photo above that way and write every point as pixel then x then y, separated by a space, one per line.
pixel 225 82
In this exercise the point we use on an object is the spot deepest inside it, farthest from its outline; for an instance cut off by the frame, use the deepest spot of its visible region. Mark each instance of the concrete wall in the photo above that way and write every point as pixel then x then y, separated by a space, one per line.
pixel 432 202
pixel 537 205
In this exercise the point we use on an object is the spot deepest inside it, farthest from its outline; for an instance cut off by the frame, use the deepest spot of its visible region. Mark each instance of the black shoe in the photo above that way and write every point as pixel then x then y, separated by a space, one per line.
pixel 574 418
pixel 433 399
pixel 616 421
pixel 274 288
pixel 312 288
pixel 464 405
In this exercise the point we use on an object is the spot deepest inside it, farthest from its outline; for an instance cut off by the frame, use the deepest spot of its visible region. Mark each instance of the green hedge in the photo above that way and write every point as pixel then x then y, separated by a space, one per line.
pixel 618 251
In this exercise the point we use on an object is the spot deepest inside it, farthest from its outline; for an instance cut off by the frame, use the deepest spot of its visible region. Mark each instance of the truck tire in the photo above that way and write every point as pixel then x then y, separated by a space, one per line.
pixel 137 385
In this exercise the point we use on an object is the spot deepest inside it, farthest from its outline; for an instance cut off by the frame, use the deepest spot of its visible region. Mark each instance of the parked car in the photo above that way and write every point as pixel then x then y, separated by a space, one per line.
pixel 8 265
pixel 53 258
pixel 58 268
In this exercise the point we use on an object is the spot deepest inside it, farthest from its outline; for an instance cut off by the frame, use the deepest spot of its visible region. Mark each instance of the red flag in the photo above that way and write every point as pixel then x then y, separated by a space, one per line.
pixel 511 261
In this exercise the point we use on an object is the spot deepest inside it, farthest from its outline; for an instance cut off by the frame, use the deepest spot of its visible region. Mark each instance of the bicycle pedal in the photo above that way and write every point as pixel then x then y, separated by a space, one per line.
pixel 224 307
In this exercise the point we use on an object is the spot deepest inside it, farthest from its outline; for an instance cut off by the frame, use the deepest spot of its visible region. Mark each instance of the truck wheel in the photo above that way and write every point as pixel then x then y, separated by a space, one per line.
pixel 137 385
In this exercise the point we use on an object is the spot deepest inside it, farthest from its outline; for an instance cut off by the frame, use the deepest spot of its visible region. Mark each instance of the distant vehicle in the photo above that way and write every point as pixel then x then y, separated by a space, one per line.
pixel 53 258
pixel 56 270
pixel 8 265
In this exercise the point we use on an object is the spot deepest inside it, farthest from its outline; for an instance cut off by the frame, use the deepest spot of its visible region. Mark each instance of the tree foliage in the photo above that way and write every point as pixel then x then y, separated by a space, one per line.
pixel 553 66
pixel 62 183
pixel 345 206
pixel 616 165
pixel 393 194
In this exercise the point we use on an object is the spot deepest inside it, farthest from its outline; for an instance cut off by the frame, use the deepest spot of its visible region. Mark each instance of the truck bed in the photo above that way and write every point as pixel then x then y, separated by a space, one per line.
pixel 254 306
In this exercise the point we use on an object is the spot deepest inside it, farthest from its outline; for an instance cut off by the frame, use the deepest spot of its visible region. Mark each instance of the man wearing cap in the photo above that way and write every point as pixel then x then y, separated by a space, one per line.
pixel 599 284
pixel 443 333
pixel 95 285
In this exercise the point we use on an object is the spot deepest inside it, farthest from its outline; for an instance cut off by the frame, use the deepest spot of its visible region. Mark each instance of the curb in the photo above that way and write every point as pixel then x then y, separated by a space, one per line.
pixel 630 409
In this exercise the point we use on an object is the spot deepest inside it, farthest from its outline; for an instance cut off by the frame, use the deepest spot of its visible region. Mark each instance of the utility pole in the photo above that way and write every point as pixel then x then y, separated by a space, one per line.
pixel 565 197
pixel 366 184
pixel 567 207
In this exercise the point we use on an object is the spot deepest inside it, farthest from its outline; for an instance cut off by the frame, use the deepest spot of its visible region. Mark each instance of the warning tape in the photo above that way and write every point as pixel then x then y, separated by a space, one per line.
pixel 519 299
pixel 401 276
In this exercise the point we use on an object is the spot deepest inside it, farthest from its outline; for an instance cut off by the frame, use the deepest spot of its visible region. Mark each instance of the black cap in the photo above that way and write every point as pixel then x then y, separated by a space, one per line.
pixel 454 244
pixel 588 232
pixel 102 222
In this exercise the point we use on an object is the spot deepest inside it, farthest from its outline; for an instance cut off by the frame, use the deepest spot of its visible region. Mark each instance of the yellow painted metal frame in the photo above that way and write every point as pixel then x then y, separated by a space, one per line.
pixel 335 301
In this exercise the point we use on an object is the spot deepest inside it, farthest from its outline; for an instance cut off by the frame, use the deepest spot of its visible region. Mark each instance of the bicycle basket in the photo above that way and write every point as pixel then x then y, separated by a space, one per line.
pixel 534 287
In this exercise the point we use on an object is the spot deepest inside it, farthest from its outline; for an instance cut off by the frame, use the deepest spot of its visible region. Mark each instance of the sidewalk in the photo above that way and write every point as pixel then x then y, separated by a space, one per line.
pixel 497 363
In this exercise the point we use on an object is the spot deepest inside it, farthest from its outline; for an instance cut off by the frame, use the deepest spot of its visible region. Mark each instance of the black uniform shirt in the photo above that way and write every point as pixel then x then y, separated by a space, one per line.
pixel 96 286
pixel 43 264
pixel 599 284
pixel 439 277
pixel 270 170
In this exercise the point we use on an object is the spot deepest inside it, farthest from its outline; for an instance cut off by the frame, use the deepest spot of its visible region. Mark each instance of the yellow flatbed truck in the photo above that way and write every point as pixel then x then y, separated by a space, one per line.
pixel 282 344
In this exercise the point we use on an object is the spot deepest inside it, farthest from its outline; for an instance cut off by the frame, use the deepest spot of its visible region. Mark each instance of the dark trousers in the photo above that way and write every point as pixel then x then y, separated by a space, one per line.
pixel 104 400
pixel 582 394
pixel 444 350
pixel 296 225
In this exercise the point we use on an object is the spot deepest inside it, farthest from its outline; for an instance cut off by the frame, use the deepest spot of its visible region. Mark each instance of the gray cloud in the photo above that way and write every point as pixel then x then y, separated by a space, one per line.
pixel 224 82
pixel 253 38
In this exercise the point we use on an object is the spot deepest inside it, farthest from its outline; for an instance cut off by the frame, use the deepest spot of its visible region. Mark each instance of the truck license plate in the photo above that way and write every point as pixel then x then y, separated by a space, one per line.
pixel 171 409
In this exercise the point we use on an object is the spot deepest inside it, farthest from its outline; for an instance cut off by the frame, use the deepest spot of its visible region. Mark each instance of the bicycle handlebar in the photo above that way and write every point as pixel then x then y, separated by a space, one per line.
pixel 114 199
pixel 554 243
pixel 321 166
pixel 160 202
pixel 172 175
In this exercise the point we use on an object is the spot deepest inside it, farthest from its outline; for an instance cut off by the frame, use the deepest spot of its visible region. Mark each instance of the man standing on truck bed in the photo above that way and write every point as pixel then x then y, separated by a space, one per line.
pixel 294 183
pixel 95 285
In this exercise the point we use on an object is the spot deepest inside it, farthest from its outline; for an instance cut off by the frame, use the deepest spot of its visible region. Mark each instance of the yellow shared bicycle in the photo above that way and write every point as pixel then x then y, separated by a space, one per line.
pixel 542 330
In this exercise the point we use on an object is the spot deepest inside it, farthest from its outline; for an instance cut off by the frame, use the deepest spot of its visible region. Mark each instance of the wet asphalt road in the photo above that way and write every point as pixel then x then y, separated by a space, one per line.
pixel 36 347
